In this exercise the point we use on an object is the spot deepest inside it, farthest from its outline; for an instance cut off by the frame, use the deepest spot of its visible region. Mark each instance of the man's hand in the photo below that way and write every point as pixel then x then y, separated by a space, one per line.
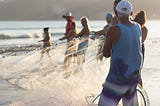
pixel 60 39
pixel 40 40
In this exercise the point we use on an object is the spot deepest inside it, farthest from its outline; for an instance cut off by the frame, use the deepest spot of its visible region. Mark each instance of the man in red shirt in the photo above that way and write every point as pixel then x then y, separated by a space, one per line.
pixel 69 19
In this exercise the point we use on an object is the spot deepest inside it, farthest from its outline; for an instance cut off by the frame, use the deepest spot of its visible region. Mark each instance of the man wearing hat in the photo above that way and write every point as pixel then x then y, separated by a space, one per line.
pixel 101 34
pixel 123 45
pixel 108 18
pixel 70 19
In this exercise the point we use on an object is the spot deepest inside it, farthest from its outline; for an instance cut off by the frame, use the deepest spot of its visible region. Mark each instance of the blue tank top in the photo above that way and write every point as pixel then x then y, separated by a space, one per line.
pixel 126 56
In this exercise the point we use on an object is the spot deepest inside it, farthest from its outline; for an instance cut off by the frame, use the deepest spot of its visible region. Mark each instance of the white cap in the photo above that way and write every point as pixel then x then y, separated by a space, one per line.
pixel 124 7
pixel 69 14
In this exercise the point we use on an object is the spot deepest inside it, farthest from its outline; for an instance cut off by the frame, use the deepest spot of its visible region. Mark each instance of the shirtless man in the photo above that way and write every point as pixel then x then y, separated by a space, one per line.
pixel 46 42
pixel 84 35
pixel 109 17
pixel 101 35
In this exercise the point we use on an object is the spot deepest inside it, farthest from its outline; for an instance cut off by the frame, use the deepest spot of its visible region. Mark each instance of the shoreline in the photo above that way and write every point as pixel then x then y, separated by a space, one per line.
pixel 26 48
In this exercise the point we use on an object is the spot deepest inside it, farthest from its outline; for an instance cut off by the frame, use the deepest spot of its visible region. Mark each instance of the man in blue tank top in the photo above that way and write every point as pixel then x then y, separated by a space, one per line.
pixel 123 45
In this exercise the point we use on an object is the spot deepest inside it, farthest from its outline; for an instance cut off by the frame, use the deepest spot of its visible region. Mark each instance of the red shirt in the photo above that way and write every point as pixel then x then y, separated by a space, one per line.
pixel 68 25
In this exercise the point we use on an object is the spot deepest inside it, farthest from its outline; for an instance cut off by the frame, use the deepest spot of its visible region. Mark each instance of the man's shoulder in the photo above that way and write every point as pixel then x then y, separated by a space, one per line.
pixel 113 29
pixel 114 20
pixel 114 32
pixel 144 28
pixel 71 20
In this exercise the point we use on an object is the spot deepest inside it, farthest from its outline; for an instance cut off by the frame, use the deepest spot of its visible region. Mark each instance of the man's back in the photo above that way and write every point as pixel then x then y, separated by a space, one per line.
pixel 126 58
pixel 128 44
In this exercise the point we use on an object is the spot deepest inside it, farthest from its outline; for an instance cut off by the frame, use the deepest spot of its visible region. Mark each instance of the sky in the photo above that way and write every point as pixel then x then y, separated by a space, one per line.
pixel 54 9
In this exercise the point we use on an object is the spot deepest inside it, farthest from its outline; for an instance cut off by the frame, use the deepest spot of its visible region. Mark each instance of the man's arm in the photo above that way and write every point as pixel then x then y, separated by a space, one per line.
pixel 144 33
pixel 71 34
pixel 81 33
pixel 112 37
pixel 101 32
pixel 46 38
pixel 107 45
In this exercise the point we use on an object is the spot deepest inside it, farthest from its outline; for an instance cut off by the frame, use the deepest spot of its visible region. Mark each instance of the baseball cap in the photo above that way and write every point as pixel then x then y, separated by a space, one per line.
pixel 109 15
pixel 124 7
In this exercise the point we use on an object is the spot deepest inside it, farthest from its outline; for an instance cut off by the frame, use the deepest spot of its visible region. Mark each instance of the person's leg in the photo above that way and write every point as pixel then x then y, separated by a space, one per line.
pixel 111 94
pixel 106 100
pixel 69 60
pixel 42 53
pixel 130 98
pixel 74 56
pixel 47 50
pixel 49 56
pixel 99 54
pixel 85 50
pixel 66 61
pixel 41 57
pixel 140 80
pixel 143 52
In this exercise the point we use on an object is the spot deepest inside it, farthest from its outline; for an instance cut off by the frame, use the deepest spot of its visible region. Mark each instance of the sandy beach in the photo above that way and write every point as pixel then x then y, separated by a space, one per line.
pixel 51 51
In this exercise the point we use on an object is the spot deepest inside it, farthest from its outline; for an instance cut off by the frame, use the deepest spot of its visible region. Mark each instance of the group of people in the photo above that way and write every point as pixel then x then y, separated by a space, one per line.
pixel 123 42
pixel 77 42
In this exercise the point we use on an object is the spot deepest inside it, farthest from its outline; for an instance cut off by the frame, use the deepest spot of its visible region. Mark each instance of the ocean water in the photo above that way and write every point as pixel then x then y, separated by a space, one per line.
pixel 29 32
pixel 26 81
pixel 14 32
